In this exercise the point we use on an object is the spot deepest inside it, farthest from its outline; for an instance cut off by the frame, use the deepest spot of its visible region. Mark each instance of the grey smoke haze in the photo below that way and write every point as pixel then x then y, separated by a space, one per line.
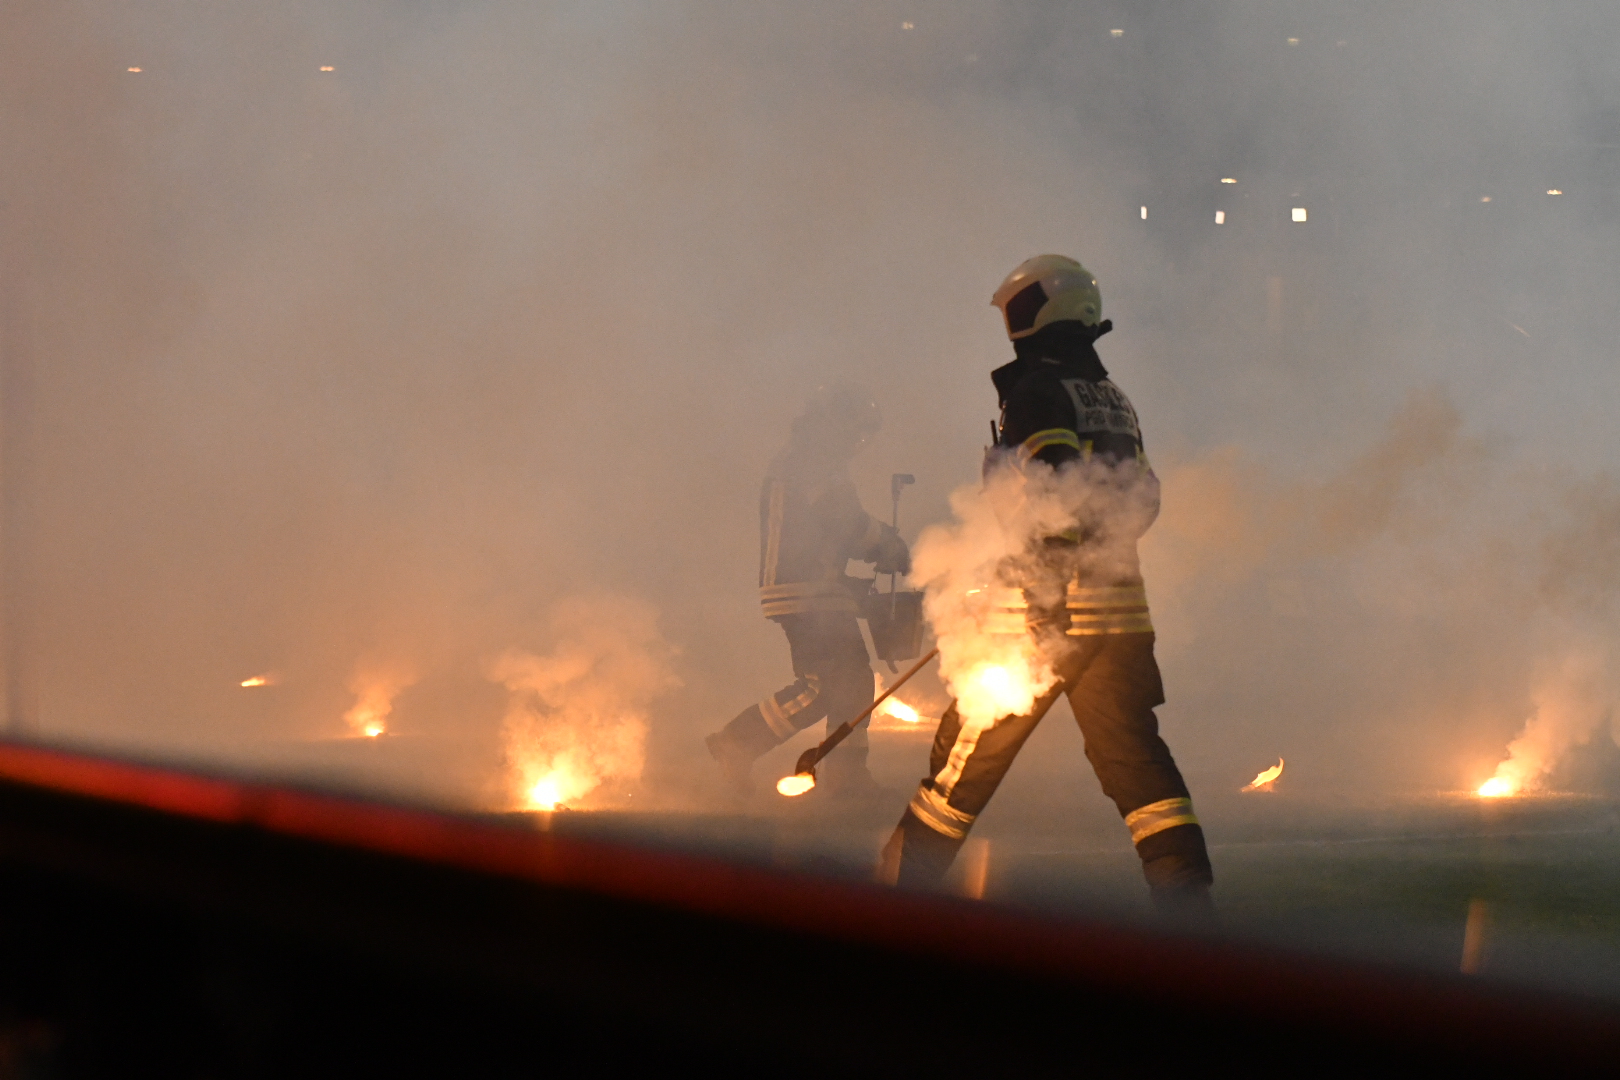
pixel 377 366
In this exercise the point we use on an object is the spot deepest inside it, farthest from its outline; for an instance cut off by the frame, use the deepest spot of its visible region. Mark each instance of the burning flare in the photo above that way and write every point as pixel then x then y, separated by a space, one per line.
pixel 257 680
pixel 374 692
pixel 797 784
pixel 577 715
pixel 546 794
pixel 1573 699
pixel 900 711
pixel 893 708
pixel 1266 778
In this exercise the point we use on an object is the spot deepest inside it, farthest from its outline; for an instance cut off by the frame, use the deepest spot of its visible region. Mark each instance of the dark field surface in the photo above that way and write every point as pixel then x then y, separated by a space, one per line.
pixel 1390 882
pixel 1387 876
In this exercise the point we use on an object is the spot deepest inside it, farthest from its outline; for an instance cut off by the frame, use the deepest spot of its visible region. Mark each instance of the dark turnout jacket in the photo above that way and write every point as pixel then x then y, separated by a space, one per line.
pixel 810 525
pixel 1063 412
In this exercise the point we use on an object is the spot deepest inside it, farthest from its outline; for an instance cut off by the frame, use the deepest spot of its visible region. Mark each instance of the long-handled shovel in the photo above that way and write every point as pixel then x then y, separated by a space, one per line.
pixel 804 773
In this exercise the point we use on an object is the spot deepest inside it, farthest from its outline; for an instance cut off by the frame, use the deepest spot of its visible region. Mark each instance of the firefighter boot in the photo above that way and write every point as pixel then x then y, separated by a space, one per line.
pixel 736 745
pixel 1178 874
pixel 916 857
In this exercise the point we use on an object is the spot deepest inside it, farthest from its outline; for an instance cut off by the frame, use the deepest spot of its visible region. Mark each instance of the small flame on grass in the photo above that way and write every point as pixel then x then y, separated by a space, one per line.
pixel 1266 778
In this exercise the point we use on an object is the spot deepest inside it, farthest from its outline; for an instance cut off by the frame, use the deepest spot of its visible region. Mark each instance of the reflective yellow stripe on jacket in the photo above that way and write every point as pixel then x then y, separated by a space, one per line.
pixel 1111 609
pixel 1051 437
pixel 1093 611
pixel 796 598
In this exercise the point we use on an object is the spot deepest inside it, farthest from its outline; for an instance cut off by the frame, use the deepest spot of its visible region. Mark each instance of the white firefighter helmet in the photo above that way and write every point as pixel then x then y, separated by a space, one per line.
pixel 1045 290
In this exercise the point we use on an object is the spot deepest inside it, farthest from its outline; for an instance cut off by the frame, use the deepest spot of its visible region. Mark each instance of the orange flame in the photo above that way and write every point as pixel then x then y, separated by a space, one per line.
pixel 257 680
pixel 545 794
pixel 1266 778
pixel 797 784
pixel 991 690
pixel 900 711
pixel 374 691
pixel 1496 787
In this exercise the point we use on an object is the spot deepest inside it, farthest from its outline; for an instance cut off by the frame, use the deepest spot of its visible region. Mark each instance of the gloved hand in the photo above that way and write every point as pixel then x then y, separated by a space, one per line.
pixel 893 556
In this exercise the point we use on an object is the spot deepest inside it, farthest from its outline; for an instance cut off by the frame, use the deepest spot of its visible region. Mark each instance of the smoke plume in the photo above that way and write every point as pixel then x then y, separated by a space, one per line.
pixel 341 331
pixel 973 571
pixel 375 688
pixel 577 717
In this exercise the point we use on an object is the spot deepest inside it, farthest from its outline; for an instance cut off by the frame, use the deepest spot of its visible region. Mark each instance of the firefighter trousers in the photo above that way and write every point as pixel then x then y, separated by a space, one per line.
pixel 1113 685
pixel 833 680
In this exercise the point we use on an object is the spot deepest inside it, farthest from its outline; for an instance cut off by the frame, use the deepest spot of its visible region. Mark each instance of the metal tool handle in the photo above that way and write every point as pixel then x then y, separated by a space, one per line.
pixel 809 759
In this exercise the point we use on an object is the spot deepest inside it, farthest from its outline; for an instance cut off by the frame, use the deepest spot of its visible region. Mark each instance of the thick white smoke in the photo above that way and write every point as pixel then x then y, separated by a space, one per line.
pixel 375 686
pixel 971 570
pixel 577 716
pixel 1395 623
pixel 1573 697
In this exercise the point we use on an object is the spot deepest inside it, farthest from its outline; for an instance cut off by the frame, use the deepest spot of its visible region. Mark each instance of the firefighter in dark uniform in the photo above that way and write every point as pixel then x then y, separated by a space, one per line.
pixel 1082 599
pixel 811 526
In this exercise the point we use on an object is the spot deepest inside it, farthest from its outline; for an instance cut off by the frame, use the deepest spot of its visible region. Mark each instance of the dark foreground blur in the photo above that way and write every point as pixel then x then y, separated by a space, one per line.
pixel 165 923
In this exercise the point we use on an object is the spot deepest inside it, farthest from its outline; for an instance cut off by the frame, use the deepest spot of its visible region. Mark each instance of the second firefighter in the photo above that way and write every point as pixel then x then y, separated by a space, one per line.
pixel 811 526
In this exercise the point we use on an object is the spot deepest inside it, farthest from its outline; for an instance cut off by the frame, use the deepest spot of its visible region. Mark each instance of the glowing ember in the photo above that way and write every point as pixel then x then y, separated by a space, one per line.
pixel 1495 788
pixel 545 795
pixel 797 784
pixel 1266 778
pixel 257 680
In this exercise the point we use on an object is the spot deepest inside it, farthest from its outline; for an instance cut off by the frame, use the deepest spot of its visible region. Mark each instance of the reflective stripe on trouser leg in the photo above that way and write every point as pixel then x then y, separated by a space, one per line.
pixel 789 709
pixel 1114 688
pixel 916 856
pixel 934 810
pixel 968 762
pixel 1144 821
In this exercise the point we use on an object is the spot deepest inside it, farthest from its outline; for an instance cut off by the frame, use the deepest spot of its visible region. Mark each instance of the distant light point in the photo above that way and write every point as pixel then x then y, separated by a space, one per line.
pixel 328 67
pixel 1220 217
pixel 1293 41
pixel 908 26
pixel 1299 213
pixel 1144 213
pixel 1484 198
pixel 1228 179
pixel 1554 191
pixel 1117 33
pixel 135 70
